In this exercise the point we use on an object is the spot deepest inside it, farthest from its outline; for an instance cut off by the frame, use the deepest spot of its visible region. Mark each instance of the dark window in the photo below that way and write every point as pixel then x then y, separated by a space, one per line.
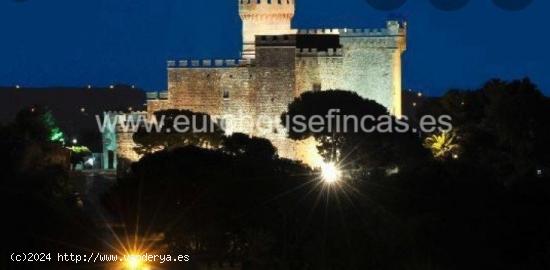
pixel 225 94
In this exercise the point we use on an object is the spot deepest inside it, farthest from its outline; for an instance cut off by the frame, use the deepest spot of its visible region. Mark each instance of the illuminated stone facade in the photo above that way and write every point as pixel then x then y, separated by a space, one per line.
pixel 278 64
pixel 118 143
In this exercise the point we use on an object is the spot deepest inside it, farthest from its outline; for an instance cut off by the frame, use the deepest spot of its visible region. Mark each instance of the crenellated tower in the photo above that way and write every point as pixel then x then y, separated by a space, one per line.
pixel 372 63
pixel 264 17
pixel 279 63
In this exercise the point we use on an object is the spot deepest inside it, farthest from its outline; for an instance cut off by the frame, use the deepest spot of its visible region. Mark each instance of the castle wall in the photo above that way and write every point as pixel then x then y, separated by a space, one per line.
pixel 318 69
pixel 274 87
pixel 126 145
pixel 249 95
pixel 120 140
pixel 372 63
pixel 369 72
pixel 221 92
pixel 250 98
pixel 256 92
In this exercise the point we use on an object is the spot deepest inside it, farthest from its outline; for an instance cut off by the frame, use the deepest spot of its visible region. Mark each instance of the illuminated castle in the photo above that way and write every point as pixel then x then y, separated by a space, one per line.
pixel 279 63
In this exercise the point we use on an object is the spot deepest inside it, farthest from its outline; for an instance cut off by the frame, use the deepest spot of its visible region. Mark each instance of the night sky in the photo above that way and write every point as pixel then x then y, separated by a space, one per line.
pixel 102 42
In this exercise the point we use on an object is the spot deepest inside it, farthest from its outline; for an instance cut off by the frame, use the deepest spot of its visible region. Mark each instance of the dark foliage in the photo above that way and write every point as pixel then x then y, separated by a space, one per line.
pixel 352 144
pixel 39 210
pixel 242 205
pixel 198 129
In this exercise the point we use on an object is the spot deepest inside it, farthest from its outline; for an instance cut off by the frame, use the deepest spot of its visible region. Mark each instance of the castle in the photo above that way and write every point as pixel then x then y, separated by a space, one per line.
pixel 279 63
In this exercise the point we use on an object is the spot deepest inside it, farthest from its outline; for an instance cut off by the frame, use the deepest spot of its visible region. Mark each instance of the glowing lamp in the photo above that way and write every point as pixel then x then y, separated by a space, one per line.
pixel 134 262
pixel 330 173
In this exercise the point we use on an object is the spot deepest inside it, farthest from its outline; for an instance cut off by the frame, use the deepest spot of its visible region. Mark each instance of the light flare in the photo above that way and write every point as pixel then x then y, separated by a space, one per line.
pixel 330 173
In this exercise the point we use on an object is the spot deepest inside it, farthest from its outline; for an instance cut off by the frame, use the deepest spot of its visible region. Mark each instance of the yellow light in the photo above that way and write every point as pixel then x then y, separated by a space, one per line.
pixel 330 173
pixel 134 263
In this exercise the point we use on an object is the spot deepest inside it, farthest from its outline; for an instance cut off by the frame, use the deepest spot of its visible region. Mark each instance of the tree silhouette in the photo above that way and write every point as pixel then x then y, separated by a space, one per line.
pixel 200 130
pixel 356 146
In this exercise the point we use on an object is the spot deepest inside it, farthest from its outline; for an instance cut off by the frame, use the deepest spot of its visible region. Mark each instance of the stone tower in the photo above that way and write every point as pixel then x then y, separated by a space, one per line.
pixel 372 63
pixel 278 64
pixel 264 17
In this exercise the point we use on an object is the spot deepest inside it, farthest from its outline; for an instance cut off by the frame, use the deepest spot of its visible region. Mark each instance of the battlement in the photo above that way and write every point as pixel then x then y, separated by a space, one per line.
pixel 314 52
pixel 266 2
pixel 328 31
pixel 210 63
pixel 270 4
pixel 393 28
pixel 252 8
pixel 157 95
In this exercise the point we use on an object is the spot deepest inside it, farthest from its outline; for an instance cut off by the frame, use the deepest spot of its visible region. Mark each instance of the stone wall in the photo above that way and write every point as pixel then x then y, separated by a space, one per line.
pixel 322 72
pixel 120 140
pixel 274 88
pixel 260 90
pixel 372 64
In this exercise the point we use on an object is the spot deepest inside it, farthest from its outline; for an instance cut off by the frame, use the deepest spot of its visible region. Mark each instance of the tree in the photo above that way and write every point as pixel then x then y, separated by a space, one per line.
pixel 443 145
pixel 351 143
pixel 219 206
pixel 239 144
pixel 35 186
pixel 199 130
pixel 38 123
pixel 78 154
pixel 502 125
pixel 246 207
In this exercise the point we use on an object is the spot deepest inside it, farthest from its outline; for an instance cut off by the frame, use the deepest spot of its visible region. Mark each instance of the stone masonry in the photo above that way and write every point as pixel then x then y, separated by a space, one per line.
pixel 278 64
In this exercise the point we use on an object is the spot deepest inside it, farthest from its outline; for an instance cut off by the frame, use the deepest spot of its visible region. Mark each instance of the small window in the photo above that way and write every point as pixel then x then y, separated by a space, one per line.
pixel 225 94
pixel 316 87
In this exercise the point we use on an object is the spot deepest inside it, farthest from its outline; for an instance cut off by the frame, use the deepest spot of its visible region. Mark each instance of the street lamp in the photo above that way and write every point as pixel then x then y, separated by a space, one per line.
pixel 330 173
pixel 134 263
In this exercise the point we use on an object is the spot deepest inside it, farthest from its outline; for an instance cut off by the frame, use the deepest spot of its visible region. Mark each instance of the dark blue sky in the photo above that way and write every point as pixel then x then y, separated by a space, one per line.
pixel 100 42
